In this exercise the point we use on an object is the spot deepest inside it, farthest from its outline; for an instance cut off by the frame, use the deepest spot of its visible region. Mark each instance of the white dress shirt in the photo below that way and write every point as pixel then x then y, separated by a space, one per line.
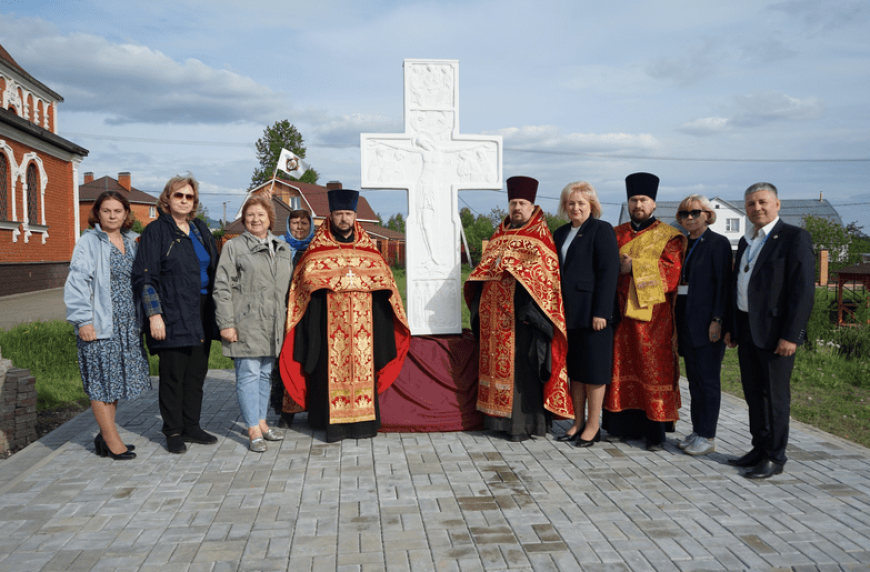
pixel 750 257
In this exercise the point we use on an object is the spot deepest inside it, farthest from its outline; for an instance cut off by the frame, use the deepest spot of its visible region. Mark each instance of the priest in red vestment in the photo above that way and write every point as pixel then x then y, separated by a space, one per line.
pixel 644 397
pixel 347 335
pixel 515 299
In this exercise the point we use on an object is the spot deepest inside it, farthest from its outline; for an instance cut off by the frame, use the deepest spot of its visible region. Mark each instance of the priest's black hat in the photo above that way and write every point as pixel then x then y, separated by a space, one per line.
pixel 342 200
pixel 522 188
pixel 642 184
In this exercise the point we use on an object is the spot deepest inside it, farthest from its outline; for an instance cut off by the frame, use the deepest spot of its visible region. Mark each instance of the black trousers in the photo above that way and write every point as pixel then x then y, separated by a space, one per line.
pixel 703 369
pixel 182 374
pixel 766 379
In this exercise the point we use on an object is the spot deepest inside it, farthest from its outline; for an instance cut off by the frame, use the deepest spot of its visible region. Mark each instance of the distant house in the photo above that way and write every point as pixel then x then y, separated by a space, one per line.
pixel 731 219
pixel 143 205
pixel 39 215
pixel 288 196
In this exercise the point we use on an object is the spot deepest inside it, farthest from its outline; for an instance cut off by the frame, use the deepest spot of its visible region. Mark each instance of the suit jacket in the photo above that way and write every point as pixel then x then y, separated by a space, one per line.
pixel 589 273
pixel 709 280
pixel 781 289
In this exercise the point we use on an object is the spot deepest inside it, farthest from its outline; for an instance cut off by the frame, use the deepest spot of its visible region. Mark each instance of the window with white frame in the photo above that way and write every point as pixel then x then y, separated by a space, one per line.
pixel 732 225
pixel 4 188
pixel 152 212
pixel 32 195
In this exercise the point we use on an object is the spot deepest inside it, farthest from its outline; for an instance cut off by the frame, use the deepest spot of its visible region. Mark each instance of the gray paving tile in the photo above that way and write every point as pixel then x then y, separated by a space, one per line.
pixel 425 502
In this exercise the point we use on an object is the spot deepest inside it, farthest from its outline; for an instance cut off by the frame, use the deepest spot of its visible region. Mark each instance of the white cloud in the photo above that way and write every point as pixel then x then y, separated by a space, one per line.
pixel 551 138
pixel 130 83
pixel 757 109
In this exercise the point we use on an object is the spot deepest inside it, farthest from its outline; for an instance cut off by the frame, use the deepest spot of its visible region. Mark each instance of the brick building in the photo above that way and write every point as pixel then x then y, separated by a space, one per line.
pixel 38 184
pixel 143 205
pixel 291 195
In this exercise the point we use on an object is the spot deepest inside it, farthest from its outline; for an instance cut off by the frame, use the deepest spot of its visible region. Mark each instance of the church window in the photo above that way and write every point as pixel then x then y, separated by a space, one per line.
pixel 4 188
pixel 32 194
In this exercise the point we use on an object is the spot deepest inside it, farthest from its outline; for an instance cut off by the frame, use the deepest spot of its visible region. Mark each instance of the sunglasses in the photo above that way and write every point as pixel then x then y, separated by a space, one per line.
pixel 685 214
pixel 183 196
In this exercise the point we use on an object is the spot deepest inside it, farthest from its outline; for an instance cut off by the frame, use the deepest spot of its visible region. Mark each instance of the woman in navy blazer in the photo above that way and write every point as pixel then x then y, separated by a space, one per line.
pixel 702 298
pixel 589 263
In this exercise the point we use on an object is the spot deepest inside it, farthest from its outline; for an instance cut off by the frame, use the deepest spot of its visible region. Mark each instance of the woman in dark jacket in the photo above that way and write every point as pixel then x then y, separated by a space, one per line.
pixel 701 301
pixel 174 275
pixel 589 264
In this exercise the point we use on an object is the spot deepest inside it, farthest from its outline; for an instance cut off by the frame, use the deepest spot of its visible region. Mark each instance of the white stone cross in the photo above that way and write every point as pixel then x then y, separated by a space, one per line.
pixel 432 161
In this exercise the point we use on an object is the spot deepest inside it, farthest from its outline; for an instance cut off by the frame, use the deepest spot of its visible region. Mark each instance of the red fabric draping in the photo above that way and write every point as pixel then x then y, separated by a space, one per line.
pixel 436 389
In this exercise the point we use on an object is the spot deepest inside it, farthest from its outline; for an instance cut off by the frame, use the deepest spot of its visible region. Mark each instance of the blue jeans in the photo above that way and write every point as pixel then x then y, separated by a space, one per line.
pixel 253 386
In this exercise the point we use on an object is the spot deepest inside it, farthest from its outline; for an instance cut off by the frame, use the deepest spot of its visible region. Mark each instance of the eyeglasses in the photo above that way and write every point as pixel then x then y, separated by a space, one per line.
pixel 695 213
pixel 183 196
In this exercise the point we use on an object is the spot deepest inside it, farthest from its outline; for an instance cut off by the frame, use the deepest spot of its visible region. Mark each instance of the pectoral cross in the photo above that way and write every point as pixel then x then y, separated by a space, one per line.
pixel 352 276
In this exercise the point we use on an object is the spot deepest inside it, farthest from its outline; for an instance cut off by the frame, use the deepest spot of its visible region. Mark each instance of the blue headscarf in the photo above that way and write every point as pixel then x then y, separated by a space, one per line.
pixel 296 244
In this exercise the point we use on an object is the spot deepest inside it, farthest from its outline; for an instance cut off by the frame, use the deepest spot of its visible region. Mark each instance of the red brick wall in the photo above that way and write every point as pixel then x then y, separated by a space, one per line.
pixel 59 214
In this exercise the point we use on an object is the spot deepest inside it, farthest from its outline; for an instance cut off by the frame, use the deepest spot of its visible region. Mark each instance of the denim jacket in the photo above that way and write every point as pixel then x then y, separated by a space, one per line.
pixel 88 290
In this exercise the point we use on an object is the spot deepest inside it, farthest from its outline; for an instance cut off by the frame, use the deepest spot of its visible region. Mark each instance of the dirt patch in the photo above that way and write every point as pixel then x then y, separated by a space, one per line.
pixel 50 419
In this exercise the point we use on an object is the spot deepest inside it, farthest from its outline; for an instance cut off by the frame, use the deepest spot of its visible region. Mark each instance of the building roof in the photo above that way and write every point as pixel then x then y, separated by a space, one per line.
pixel 10 118
pixel 90 191
pixel 860 269
pixel 7 58
pixel 316 198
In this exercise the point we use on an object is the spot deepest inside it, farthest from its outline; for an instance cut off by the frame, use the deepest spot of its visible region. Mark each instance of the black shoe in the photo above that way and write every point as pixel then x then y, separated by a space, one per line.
pixel 519 438
pixel 567 437
pixel 285 421
pixel 175 444
pixel 99 439
pixel 750 459
pixel 581 442
pixel 197 435
pixel 103 450
pixel 655 446
pixel 764 470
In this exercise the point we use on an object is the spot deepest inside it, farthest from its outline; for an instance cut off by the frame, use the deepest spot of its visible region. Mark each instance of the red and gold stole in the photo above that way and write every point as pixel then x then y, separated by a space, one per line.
pixel 350 272
pixel 526 255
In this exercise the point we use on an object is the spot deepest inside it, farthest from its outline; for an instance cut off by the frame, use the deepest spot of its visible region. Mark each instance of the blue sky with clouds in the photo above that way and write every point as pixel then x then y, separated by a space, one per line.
pixel 712 97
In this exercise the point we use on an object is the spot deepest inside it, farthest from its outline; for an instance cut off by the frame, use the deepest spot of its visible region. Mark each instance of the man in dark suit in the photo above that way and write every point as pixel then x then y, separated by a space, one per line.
pixel 771 303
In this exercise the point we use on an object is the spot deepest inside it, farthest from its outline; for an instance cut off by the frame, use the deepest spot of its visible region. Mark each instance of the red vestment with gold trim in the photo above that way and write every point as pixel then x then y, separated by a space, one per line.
pixel 646 369
pixel 525 255
pixel 350 273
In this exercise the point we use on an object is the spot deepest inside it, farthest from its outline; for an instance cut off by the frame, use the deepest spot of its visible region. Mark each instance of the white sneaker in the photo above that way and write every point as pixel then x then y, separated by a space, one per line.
pixel 687 441
pixel 701 446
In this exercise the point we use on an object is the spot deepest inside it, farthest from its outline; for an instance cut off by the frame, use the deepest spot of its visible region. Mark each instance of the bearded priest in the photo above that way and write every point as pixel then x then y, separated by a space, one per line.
pixel 347 335
pixel 515 299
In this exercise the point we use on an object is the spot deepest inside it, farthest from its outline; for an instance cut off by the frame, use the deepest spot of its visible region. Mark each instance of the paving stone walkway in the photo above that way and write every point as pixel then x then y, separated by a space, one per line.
pixel 424 502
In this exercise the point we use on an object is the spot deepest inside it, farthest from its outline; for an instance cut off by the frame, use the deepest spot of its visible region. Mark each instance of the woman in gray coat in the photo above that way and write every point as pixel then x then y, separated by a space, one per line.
pixel 250 294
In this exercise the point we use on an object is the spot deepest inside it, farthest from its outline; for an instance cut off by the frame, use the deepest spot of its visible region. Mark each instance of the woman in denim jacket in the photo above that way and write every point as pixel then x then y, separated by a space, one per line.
pixel 100 304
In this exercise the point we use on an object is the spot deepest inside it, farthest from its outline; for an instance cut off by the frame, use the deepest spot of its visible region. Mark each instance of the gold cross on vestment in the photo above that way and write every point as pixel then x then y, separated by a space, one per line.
pixel 352 276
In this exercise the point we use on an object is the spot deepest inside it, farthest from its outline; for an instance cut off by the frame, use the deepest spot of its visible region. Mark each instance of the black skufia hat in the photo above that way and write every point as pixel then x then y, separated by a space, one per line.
pixel 342 200
pixel 642 184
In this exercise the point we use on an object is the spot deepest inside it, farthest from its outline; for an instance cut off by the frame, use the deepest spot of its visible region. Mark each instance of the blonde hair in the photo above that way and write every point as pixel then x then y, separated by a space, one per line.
pixel 588 192
pixel 706 206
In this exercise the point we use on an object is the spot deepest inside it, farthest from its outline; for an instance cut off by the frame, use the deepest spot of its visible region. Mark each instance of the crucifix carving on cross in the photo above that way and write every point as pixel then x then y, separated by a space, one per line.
pixel 433 161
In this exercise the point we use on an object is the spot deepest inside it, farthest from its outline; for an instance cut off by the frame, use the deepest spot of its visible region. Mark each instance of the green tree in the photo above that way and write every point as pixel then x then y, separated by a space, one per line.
pixel 396 222
pixel 281 135
pixel 845 244
pixel 137 224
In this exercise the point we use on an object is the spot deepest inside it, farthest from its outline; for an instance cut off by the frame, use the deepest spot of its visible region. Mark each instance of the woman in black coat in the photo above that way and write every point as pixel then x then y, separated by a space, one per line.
pixel 174 275
pixel 701 301
pixel 589 262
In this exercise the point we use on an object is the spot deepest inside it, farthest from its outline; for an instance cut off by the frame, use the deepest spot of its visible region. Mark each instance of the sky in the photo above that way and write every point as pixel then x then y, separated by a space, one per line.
pixel 710 96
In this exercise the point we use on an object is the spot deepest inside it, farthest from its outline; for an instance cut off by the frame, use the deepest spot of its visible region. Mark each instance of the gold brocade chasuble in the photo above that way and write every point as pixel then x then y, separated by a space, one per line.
pixel 526 255
pixel 350 272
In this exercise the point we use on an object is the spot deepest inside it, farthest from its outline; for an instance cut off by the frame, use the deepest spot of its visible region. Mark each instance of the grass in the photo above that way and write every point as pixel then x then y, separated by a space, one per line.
pixel 830 384
pixel 48 350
